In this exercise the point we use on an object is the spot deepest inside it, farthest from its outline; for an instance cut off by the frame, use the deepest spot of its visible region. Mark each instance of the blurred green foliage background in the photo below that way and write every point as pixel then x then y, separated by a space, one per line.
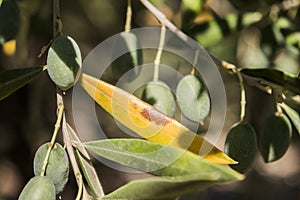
pixel 259 33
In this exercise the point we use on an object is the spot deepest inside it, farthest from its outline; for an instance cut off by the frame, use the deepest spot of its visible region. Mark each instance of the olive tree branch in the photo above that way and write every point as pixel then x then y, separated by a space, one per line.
pixel 193 44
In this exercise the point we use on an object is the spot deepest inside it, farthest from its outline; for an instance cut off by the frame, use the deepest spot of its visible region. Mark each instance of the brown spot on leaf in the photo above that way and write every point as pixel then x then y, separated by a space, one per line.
pixel 135 106
pixel 153 115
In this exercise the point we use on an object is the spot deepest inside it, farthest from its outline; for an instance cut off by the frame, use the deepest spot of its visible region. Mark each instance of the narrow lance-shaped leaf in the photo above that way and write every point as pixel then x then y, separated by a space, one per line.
pixel 157 159
pixel 86 166
pixel 293 115
pixel 147 121
pixel 274 77
pixel 12 80
pixel 167 188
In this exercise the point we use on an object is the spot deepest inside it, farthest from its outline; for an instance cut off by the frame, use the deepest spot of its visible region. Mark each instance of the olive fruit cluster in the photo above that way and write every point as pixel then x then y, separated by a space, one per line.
pixel 191 97
pixel 274 140
pixel 64 62
pixel 56 175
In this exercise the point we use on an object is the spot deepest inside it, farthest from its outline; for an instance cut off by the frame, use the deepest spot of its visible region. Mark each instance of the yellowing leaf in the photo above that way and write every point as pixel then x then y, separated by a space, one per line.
pixel 148 122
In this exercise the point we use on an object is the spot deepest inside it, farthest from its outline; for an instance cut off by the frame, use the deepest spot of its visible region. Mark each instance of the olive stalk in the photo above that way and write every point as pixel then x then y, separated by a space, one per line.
pixel 85 163
pixel 70 150
pixel 195 62
pixel 159 52
pixel 279 108
pixel 56 16
pixel 57 29
pixel 243 96
pixel 192 43
pixel 128 16
pixel 80 186
pixel 60 108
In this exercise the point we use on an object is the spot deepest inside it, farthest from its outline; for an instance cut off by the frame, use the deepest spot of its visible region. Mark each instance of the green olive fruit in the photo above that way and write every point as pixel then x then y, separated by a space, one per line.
pixel 64 62
pixel 58 165
pixel 192 98
pixel 241 146
pixel 127 43
pixel 38 188
pixel 160 96
pixel 275 137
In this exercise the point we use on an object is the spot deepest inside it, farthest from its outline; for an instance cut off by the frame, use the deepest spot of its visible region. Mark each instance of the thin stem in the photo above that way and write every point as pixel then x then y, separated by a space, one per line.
pixel 80 186
pixel 128 16
pixel 51 144
pixel 243 96
pixel 60 106
pixel 70 150
pixel 193 44
pixel 87 168
pixel 195 62
pixel 278 108
pixel 159 53
pixel 56 16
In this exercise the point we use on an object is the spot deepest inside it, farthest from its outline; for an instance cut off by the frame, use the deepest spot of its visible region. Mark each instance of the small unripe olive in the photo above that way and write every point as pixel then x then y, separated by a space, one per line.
pixel 64 62
pixel 58 165
pixel 158 94
pixel 275 137
pixel 241 145
pixel 38 188
pixel 193 98
pixel 129 44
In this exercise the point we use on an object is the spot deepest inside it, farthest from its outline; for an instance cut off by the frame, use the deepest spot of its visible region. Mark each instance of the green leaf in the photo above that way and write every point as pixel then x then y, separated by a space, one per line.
pixel 165 187
pixel 160 96
pixel 86 166
pixel 158 159
pixel 273 78
pixel 12 80
pixel 293 115
pixel 1 2
pixel 193 98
